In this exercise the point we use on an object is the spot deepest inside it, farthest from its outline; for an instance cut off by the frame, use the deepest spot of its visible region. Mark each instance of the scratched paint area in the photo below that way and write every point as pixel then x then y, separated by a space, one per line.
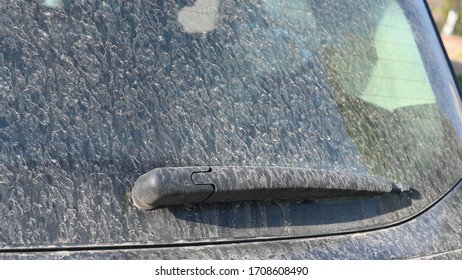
pixel 96 93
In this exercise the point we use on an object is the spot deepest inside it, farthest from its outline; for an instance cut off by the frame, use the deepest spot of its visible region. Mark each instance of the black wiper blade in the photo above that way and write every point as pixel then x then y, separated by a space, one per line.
pixel 183 185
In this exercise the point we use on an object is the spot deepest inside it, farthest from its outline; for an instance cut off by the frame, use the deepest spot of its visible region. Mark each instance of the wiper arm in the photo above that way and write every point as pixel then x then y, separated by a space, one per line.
pixel 183 185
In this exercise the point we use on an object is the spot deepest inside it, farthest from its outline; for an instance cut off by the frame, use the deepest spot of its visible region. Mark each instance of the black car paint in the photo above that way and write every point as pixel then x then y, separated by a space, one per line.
pixel 227 239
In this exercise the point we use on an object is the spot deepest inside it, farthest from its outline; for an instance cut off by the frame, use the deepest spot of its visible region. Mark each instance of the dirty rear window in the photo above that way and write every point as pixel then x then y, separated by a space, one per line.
pixel 94 94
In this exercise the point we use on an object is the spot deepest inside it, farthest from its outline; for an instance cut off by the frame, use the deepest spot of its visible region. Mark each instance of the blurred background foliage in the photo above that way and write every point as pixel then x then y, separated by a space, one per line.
pixel 441 10
pixel 448 17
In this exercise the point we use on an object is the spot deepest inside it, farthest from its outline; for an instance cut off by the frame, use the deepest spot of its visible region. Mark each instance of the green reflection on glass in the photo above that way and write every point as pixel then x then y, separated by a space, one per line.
pixel 399 78
pixel 52 3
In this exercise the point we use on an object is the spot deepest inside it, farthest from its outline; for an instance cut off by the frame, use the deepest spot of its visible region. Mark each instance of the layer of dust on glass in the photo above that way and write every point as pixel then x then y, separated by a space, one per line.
pixel 95 93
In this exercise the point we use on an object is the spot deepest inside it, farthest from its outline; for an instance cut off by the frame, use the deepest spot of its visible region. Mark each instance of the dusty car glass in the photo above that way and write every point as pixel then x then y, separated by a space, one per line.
pixel 95 94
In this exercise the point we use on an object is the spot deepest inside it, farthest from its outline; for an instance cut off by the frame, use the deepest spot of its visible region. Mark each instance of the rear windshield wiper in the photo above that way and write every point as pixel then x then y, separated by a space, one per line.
pixel 183 185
